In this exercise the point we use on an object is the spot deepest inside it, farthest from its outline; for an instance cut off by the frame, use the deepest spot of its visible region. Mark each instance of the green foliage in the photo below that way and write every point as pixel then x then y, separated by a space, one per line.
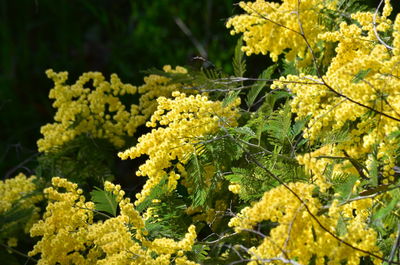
pixel 268 132
pixel 84 160
pixel 361 75
pixel 169 218
pixel 197 178
pixel 105 201
pixel 239 62
pixel 159 191
pixel 259 85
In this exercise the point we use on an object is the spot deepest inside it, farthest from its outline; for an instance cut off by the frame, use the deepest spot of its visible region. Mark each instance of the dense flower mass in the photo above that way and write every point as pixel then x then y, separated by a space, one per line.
pixel 80 239
pixel 183 120
pixel 19 193
pixel 158 86
pixel 18 190
pixel 97 112
pixel 298 236
pixel 93 106
pixel 273 28
pixel 360 93
pixel 307 174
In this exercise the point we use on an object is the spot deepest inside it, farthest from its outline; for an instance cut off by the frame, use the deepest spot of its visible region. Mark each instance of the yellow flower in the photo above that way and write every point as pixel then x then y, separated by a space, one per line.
pixel 98 111
pixel 298 236
pixel 19 192
pixel 183 121
pixel 363 71
pixel 70 234
pixel 273 28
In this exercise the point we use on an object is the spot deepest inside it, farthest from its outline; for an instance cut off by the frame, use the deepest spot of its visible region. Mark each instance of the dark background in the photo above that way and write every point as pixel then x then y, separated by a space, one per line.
pixel 111 36
pixel 119 36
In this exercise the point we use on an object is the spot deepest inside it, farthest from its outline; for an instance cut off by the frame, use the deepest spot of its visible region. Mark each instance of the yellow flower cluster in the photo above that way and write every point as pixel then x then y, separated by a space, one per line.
pixel 64 228
pixel 363 71
pixel 157 86
pixel 81 109
pixel 98 111
pixel 183 120
pixel 19 192
pixel 297 235
pixel 71 236
pixel 273 28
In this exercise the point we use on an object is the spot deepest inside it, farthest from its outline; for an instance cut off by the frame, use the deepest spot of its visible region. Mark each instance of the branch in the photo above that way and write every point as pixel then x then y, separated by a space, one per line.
pixel 259 259
pixel 396 246
pixel 376 31
pixel 189 34
pixel 323 227
pixel 18 252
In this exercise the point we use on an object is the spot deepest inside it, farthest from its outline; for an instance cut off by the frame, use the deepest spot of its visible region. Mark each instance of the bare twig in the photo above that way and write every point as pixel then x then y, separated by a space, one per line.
pixel 259 259
pixel 18 252
pixel 359 103
pixel 19 166
pixel 217 240
pixel 396 246
pixel 376 31
pixel 323 227
pixel 291 226
pixel 189 34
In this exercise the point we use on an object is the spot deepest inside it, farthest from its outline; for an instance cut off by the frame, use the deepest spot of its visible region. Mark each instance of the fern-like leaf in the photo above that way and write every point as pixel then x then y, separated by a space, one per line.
pixel 239 62
pixel 259 85
pixel 104 201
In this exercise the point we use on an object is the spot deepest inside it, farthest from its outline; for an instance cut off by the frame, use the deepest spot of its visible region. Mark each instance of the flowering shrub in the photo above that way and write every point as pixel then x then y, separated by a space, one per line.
pixel 186 120
pixel 358 93
pixel 273 28
pixel 299 166
pixel 81 240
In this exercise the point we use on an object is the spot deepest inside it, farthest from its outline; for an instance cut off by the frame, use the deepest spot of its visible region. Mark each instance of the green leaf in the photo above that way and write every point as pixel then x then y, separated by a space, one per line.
pixel 239 63
pixel 16 215
pixel 199 197
pixel 156 193
pixel 361 75
pixel 200 252
pixel 196 172
pixel 246 131
pixel 341 228
pixel 230 97
pixel 104 201
pixel 343 184
pixel 385 211
pixel 259 85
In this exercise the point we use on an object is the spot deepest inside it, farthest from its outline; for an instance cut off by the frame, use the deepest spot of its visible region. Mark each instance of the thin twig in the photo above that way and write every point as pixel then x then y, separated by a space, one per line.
pixel 189 34
pixel 217 240
pixel 291 226
pixel 18 252
pixel 375 29
pixel 259 259
pixel 396 246
pixel 323 227
pixel 20 165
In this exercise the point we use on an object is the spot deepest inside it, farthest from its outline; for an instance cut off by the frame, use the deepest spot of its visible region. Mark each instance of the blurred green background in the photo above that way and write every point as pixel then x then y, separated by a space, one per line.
pixel 120 36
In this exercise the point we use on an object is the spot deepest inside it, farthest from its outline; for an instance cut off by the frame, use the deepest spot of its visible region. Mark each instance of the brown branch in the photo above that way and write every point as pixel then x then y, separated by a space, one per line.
pixel 255 161
pixel 301 33
pixel 358 103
